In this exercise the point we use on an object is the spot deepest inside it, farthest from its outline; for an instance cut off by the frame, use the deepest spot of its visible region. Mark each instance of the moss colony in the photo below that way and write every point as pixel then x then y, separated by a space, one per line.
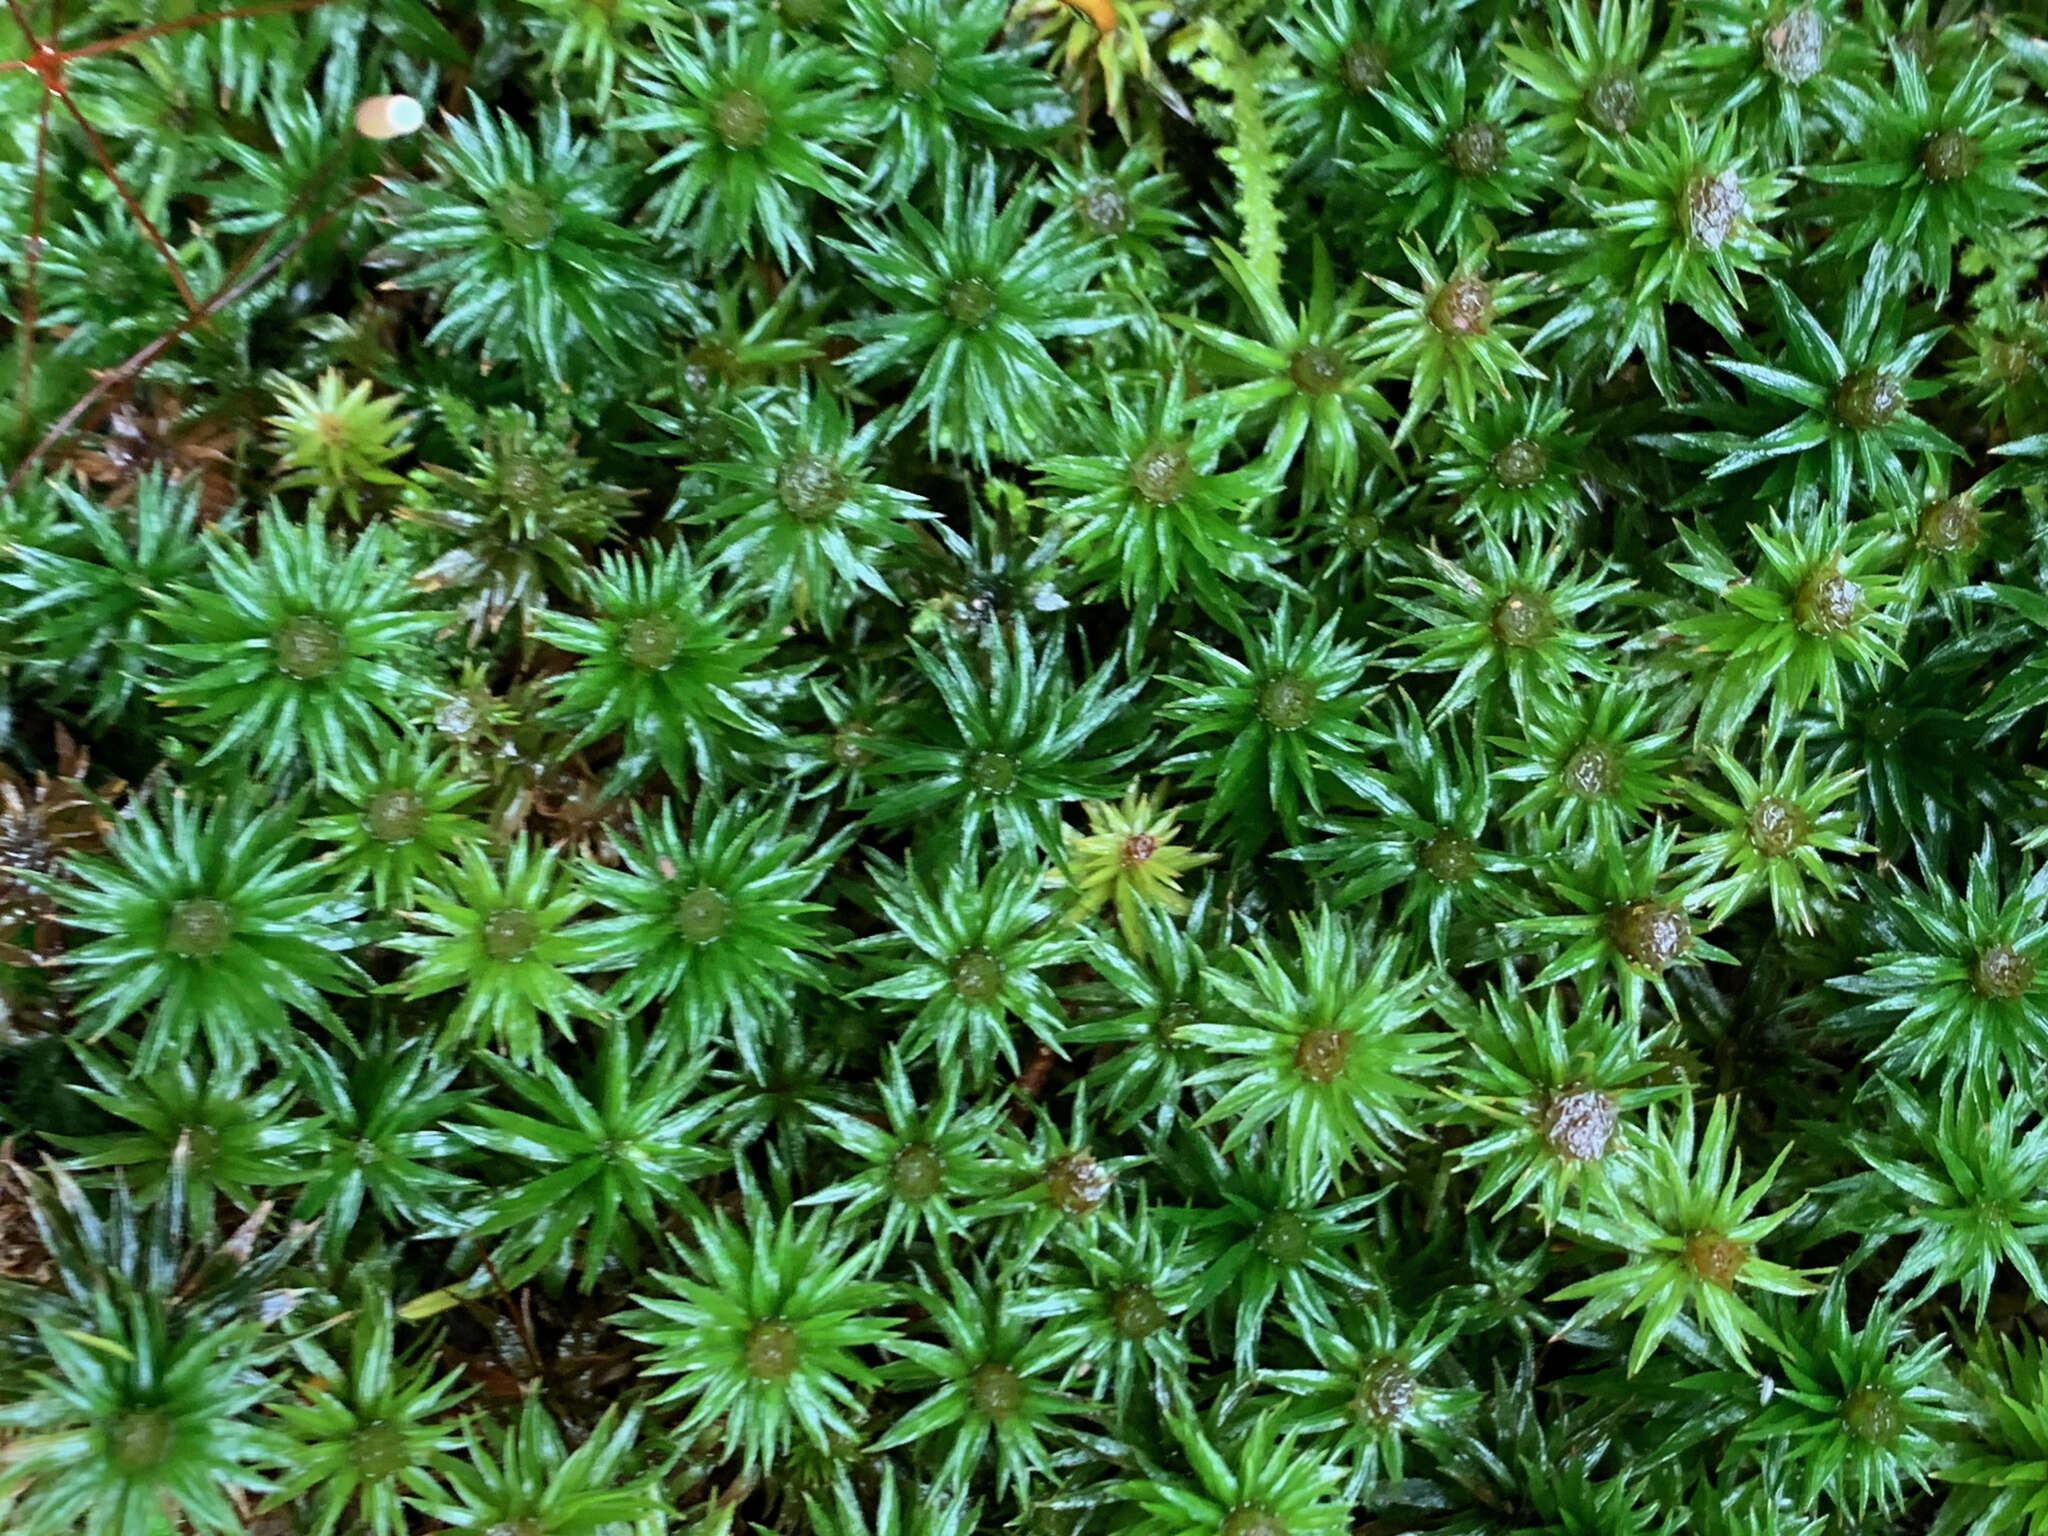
pixel 914 768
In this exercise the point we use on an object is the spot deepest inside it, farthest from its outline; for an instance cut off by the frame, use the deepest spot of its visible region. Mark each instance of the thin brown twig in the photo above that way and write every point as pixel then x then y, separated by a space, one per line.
pixel 232 288
pixel 37 219
pixel 107 45
pixel 156 238
pixel 48 60
pixel 521 1322
pixel 105 384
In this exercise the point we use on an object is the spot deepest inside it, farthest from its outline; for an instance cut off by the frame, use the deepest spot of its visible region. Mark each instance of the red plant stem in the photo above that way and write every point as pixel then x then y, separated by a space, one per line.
pixel 99 149
pixel 187 23
pixel 48 61
pixel 35 257
pixel 107 45
pixel 228 294
pixel 231 289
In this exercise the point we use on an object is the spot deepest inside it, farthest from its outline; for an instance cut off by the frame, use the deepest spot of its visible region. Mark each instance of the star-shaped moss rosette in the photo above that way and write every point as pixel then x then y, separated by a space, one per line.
pixel 1265 729
pixel 206 923
pixel 1302 367
pixel 951 767
pixel 1630 922
pixel 1552 1097
pixel 1151 510
pixel 1262 1482
pixel 1935 156
pixel 1994 1490
pixel 1833 414
pixel 306 654
pixel 1680 216
pixel 519 240
pixel 1814 610
pixel 1957 1176
pixel 1865 1403
pixel 1374 1389
pixel 1599 70
pixel 1958 987
pixel 1331 1051
pixel 1773 840
pixel 1424 833
pixel 1687 1229
pixel 1131 861
pixel 751 121
pixel 966 962
pixel 767 1333
pixel 1119 1308
pixel 505 934
pixel 986 1371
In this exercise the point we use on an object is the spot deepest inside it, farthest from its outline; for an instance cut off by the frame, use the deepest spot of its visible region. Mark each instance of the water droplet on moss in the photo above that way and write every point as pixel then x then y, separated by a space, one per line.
pixel 1792 48
pixel 917 1173
pixel 2002 973
pixel 1827 603
pixel 1362 68
pixel 509 934
pixel 1319 1055
pixel 1873 1415
pixel 996 1391
pixel 702 915
pixel 1592 772
pixel 379 1451
pixel 1716 1258
pixel 1477 149
pixel 307 648
pixel 1385 1393
pixel 850 748
pixel 1136 1313
pixel 741 120
pixel 773 1351
pixel 1161 473
pixel 651 643
pixel 1715 207
pixel 1462 306
pixel 969 302
pixel 810 487
pixel 395 815
pixel 1077 1184
pixel 1948 156
pixel 978 976
pixel 1252 1522
pixel 141 1441
pixel 1777 827
pixel 1523 620
pixel 1284 1237
pixel 1614 103
pixel 199 928
pixel 1287 702
pixel 913 67
pixel 1104 208
pixel 1317 370
pixel 1450 857
pixel 526 218
pixel 992 773
pixel 1869 400
pixel 1651 935
pixel 1949 527
pixel 1520 463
